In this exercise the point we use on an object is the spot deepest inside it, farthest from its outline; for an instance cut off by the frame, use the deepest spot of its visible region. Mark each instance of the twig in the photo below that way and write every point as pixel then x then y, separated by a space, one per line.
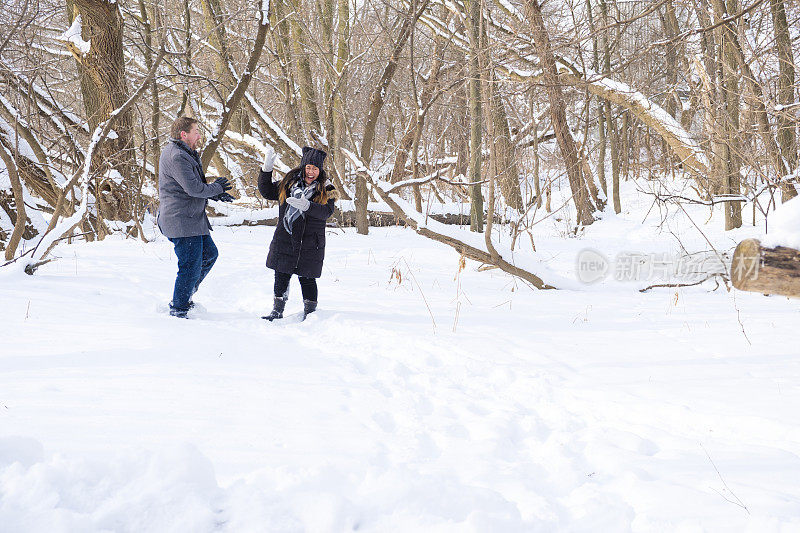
pixel 738 501
pixel 30 250
pixel 422 293
pixel 673 285
pixel 427 179
pixel 719 256
pixel 739 319
pixel 718 199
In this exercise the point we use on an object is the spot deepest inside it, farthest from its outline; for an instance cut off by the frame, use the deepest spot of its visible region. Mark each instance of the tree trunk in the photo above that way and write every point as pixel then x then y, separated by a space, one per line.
pixel 783 44
pixel 156 111
pixel 776 270
pixel 332 133
pixel 601 115
pixel 105 89
pixel 670 24
pixel 376 101
pixel 19 203
pixel 610 120
pixel 475 114
pixel 185 108
pixel 508 171
pixel 232 103
pixel 536 179
pixel 215 27
pixel 342 57
pixel 283 48
pixel 417 122
pixel 308 93
pixel 730 112
pixel 566 144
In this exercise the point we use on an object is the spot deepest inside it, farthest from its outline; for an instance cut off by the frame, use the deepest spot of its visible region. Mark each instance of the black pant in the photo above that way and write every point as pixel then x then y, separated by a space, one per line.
pixel 307 285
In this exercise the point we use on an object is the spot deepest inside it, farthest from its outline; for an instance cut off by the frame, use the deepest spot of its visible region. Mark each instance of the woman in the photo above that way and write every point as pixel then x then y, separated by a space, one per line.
pixel 298 244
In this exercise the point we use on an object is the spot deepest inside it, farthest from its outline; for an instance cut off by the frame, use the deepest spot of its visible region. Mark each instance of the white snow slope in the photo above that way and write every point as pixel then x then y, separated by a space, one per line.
pixel 519 410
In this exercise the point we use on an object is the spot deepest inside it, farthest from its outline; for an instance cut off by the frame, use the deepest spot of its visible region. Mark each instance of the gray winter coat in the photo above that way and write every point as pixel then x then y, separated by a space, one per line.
pixel 183 192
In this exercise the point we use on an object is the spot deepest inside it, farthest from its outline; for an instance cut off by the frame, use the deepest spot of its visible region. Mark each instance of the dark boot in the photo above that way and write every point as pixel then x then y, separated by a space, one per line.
pixel 309 307
pixel 174 311
pixel 277 310
pixel 179 313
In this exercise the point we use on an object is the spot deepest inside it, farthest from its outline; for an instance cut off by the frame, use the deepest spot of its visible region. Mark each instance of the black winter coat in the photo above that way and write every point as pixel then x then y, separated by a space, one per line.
pixel 303 251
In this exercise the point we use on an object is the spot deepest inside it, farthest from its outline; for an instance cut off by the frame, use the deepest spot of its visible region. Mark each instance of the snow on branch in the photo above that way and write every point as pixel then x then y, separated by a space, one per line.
pixel 253 143
pixel 238 93
pixel 469 244
pixel 651 114
pixel 275 131
pixel 57 229
pixel 72 36
pixel 431 177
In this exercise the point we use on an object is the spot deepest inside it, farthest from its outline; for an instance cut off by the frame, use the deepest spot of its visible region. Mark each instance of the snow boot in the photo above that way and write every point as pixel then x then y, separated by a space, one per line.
pixel 189 307
pixel 277 310
pixel 309 306
pixel 179 313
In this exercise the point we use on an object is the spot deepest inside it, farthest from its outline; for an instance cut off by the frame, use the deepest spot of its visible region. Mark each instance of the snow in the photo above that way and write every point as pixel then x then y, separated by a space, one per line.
pixel 53 109
pixel 784 226
pixel 254 143
pixel 651 108
pixel 73 35
pixel 65 225
pixel 274 127
pixel 15 140
pixel 33 211
pixel 420 396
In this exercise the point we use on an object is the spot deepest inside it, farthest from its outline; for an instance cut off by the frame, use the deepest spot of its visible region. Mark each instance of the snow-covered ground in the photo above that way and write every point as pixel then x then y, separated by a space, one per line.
pixel 420 397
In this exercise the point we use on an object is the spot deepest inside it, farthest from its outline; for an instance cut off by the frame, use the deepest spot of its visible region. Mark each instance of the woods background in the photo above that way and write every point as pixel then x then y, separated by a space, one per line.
pixel 487 103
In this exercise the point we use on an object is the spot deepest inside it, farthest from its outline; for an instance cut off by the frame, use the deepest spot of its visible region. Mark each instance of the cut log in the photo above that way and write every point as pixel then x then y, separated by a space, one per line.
pixel 756 268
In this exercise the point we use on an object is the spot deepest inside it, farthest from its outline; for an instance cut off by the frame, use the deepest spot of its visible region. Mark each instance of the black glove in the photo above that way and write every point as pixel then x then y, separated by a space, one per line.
pixel 226 186
pixel 224 197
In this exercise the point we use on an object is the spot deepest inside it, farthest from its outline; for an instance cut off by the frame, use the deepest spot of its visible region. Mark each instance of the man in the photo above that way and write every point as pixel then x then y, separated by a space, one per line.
pixel 184 193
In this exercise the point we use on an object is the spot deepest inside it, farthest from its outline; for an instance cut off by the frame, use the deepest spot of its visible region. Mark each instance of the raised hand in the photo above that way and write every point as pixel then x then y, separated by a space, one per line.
pixel 269 159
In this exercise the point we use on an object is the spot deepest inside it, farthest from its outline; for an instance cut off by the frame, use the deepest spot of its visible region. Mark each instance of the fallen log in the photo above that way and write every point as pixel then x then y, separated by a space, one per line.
pixel 347 219
pixel 757 268
pixel 462 241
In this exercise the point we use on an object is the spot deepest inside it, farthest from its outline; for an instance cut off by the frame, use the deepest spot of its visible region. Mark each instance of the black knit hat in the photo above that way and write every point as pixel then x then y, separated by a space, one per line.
pixel 312 156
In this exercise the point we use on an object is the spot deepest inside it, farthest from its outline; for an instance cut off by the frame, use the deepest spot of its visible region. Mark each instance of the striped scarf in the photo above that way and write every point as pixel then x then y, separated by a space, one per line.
pixel 298 190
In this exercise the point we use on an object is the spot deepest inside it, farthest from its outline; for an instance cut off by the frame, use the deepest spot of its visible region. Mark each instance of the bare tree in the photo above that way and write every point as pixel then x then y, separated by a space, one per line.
pixel 566 143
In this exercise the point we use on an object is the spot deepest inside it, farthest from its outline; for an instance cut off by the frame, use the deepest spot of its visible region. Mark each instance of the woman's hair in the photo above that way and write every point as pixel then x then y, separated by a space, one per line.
pixel 291 177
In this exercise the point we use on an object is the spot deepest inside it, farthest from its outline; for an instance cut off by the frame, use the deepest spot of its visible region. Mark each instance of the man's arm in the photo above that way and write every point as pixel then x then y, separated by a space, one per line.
pixel 186 176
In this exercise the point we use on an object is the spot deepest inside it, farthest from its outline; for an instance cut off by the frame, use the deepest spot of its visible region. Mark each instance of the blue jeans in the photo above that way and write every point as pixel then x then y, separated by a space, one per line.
pixel 196 256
